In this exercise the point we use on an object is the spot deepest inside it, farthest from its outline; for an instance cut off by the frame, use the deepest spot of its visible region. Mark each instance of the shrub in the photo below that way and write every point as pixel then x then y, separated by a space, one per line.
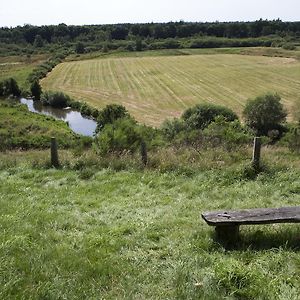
pixel 119 136
pixel 9 87
pixel 55 99
pixel 289 46
pixel 265 113
pixel 171 128
pixel 86 109
pixel 201 115
pixel 292 139
pixel 36 90
pixel 110 114
pixel 229 134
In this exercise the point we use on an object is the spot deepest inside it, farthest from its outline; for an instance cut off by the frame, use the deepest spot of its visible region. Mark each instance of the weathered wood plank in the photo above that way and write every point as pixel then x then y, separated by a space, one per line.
pixel 253 216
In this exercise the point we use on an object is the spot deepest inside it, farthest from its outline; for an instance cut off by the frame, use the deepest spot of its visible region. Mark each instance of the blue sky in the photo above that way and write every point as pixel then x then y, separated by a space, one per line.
pixel 77 12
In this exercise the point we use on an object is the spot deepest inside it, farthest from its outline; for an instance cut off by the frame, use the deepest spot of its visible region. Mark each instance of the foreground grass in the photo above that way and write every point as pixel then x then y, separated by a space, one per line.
pixel 156 87
pixel 138 234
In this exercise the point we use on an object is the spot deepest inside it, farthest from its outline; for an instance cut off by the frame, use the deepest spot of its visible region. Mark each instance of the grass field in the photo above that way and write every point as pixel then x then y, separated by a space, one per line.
pixel 138 234
pixel 19 67
pixel 157 87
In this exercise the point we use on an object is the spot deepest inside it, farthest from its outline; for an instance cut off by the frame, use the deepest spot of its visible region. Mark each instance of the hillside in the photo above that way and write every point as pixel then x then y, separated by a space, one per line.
pixel 133 234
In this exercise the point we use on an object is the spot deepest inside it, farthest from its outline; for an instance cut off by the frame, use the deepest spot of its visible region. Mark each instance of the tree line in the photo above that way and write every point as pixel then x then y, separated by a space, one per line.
pixel 98 33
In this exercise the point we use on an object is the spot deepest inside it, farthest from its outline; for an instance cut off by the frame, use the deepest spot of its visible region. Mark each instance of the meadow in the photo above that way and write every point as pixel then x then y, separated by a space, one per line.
pixel 19 67
pixel 154 87
pixel 85 232
pixel 107 227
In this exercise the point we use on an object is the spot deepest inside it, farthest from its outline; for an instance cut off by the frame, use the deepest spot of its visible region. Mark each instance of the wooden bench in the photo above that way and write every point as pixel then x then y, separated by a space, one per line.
pixel 227 222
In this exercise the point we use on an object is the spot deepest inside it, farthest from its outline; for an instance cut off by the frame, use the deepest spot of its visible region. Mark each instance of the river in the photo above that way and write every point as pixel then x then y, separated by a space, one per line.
pixel 76 121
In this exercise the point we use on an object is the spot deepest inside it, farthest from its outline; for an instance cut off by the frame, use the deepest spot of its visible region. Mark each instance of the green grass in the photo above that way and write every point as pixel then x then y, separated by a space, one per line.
pixel 20 128
pixel 138 234
pixel 162 84
pixel 19 67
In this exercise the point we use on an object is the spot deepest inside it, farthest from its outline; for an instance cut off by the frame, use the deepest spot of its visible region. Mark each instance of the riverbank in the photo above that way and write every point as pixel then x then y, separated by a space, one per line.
pixel 21 129
pixel 78 123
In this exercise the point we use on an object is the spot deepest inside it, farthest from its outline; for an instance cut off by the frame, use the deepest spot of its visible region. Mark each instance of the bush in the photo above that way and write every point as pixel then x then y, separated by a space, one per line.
pixel 36 90
pixel 117 137
pixel 110 114
pixel 9 87
pixel 55 99
pixel 265 113
pixel 289 46
pixel 171 128
pixel 201 115
pixel 228 134
pixel 292 139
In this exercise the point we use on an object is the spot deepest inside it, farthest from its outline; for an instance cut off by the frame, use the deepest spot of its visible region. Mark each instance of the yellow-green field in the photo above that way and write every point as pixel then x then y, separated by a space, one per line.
pixel 156 88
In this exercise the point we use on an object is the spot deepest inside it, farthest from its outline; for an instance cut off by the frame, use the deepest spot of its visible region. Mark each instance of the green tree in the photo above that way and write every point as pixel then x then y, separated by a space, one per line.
pixel 36 90
pixel 38 41
pixel 265 113
pixel 9 87
pixel 138 44
pixel 79 48
pixel 105 48
pixel 55 99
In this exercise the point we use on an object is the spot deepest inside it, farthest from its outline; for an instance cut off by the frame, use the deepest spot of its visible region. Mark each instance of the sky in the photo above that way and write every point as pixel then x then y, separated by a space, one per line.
pixel 80 12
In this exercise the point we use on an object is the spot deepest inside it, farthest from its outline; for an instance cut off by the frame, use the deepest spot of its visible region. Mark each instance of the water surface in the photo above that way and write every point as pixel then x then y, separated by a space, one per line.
pixel 78 123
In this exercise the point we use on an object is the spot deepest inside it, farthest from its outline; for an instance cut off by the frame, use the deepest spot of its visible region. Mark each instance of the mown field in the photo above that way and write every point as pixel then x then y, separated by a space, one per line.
pixel 157 87
pixel 134 234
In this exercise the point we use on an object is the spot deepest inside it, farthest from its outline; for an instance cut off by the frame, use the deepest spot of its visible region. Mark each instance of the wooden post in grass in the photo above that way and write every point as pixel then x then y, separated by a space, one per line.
pixel 256 153
pixel 144 154
pixel 54 153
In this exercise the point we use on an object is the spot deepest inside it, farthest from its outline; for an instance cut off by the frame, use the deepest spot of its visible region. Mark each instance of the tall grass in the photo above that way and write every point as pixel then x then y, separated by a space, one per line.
pixel 137 234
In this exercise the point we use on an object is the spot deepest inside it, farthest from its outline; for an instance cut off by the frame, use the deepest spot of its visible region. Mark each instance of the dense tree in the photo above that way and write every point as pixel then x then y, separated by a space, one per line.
pixel 94 33
pixel 79 48
pixel 9 87
pixel 36 90
pixel 264 113
pixel 138 44
pixel 38 41
pixel 119 33
pixel 55 99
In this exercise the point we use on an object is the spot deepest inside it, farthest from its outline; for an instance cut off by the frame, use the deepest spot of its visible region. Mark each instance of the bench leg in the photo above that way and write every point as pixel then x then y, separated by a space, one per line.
pixel 227 234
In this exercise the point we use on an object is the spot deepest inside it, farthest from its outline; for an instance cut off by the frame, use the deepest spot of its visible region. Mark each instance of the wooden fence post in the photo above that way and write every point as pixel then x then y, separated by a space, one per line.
pixel 256 153
pixel 144 154
pixel 54 153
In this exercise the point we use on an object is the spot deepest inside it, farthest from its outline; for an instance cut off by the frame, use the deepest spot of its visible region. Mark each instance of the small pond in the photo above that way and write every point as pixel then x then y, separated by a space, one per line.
pixel 78 123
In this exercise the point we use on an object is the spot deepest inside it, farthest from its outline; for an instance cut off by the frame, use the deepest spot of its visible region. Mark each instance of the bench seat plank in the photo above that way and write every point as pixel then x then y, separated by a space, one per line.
pixel 253 216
